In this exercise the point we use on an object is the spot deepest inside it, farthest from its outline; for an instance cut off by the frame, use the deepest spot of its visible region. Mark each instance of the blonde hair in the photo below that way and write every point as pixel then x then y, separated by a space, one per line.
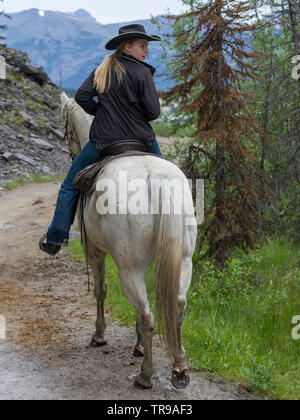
pixel 111 63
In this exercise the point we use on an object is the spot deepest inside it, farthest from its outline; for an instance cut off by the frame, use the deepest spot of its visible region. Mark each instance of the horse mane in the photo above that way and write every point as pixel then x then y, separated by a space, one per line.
pixel 77 134
pixel 74 110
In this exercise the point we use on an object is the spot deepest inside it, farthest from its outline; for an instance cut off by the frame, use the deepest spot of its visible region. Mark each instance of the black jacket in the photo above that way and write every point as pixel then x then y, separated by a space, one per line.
pixel 124 111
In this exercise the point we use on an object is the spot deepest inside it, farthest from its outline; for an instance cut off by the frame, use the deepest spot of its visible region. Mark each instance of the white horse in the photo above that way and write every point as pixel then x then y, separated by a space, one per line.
pixel 136 240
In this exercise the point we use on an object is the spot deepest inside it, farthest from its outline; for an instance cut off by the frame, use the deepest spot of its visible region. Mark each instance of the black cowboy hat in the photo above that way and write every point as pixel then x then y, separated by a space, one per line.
pixel 130 32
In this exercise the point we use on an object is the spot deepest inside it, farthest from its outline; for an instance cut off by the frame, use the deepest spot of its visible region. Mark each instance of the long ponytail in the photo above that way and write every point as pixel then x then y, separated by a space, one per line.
pixel 103 74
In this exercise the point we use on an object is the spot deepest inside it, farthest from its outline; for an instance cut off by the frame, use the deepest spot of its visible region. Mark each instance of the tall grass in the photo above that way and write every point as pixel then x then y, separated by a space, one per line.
pixel 238 322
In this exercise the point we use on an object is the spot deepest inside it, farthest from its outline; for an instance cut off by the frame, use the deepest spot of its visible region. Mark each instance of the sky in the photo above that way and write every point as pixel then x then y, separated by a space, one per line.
pixel 105 11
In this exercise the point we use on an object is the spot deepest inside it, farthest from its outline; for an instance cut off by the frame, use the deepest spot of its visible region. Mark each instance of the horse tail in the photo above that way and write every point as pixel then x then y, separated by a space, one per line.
pixel 169 254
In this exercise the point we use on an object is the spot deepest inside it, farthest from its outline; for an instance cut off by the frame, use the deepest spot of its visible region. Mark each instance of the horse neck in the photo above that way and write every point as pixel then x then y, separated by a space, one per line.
pixel 81 123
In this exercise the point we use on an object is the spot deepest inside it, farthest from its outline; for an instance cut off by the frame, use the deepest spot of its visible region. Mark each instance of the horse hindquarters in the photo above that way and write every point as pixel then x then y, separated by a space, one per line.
pixel 134 240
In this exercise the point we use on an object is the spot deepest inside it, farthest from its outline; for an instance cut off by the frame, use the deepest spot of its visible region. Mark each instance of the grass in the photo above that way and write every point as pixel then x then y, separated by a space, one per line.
pixel 30 179
pixel 238 322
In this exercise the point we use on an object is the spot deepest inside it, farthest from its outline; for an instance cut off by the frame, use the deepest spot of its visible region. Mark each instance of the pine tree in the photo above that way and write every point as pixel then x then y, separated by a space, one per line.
pixel 208 66
pixel 278 112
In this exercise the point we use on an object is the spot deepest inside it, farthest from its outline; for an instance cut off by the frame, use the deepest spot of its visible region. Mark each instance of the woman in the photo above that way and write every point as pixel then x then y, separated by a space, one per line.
pixel 127 101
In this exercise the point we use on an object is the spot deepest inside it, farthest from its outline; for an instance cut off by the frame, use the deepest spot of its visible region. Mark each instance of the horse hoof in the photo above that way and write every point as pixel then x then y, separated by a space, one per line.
pixel 142 383
pixel 138 352
pixel 98 342
pixel 180 380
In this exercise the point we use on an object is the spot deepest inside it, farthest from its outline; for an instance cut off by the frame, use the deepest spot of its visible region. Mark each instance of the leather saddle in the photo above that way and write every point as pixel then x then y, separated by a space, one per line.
pixel 122 146
pixel 84 179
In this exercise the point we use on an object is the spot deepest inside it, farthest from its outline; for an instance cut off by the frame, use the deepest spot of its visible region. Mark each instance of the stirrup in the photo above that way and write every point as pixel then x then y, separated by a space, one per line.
pixel 48 248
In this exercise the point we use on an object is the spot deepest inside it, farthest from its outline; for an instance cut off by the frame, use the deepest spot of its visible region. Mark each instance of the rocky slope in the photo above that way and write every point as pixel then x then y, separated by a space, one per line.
pixel 31 125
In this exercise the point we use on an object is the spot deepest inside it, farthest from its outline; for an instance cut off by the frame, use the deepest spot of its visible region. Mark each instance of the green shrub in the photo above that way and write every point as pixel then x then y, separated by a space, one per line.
pixel 10 77
pixel 32 106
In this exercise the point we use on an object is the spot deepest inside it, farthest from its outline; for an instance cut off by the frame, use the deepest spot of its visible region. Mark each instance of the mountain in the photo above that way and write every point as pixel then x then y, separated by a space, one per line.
pixel 70 45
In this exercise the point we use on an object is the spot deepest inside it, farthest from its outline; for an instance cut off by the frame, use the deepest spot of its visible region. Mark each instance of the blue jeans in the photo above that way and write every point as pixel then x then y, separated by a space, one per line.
pixel 154 148
pixel 64 215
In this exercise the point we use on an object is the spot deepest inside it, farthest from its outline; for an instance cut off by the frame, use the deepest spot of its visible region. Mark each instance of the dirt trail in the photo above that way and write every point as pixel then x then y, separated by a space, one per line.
pixel 50 318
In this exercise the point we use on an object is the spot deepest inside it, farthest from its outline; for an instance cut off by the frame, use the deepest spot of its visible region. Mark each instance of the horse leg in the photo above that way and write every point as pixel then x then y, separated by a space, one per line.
pixel 96 260
pixel 100 291
pixel 135 290
pixel 139 349
pixel 180 372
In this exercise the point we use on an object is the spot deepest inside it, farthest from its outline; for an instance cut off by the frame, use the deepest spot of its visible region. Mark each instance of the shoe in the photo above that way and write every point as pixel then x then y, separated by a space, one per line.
pixel 48 248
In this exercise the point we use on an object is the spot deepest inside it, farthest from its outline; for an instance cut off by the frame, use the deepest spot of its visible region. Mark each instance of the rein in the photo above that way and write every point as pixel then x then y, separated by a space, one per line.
pixel 82 205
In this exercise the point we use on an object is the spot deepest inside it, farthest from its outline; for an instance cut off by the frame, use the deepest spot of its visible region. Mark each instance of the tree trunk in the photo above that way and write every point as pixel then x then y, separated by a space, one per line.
pixel 220 152
pixel 262 203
